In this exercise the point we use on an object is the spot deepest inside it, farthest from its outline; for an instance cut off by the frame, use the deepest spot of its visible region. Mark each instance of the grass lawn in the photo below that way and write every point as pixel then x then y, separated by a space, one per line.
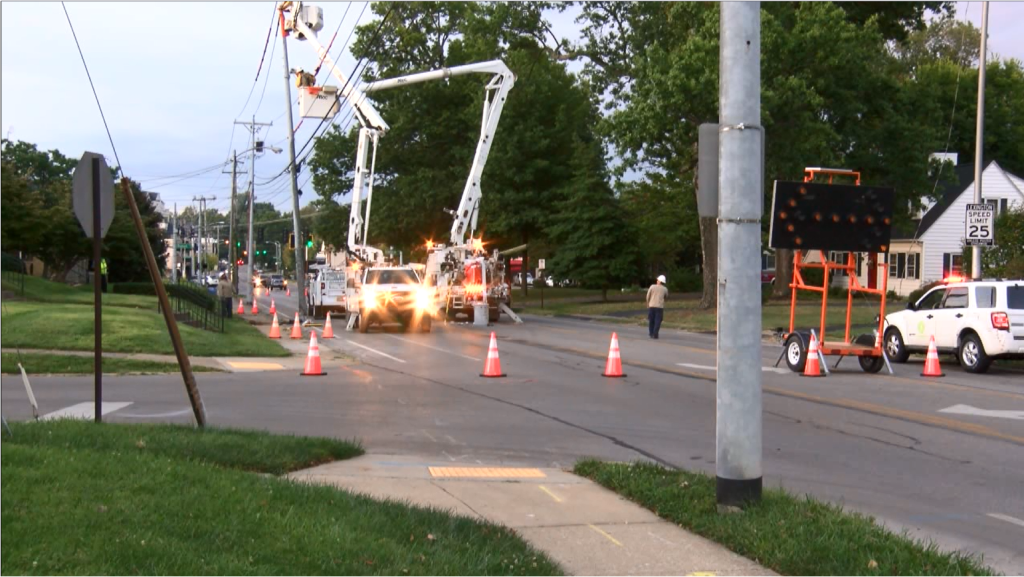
pixel 554 294
pixel 38 289
pixel 88 499
pixel 788 534
pixel 41 364
pixel 34 325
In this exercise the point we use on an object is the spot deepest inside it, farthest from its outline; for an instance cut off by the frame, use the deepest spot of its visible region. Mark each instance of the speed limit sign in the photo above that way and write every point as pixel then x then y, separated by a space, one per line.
pixel 980 225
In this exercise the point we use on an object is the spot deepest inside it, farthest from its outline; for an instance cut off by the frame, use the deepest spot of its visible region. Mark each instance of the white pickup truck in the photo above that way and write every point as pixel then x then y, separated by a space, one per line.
pixel 395 295
pixel 327 293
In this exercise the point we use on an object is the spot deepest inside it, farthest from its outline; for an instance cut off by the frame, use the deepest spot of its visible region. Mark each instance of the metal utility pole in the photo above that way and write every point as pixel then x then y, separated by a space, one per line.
pixel 300 256
pixel 253 127
pixel 979 134
pixel 231 222
pixel 740 174
pixel 174 245
pixel 204 229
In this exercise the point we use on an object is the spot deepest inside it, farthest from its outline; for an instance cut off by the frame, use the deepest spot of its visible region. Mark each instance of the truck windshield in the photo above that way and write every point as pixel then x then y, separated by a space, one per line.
pixel 334 276
pixel 391 277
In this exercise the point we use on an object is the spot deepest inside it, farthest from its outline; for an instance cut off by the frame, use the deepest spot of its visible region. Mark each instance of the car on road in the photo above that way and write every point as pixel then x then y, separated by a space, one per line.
pixel 768 276
pixel 395 295
pixel 277 282
pixel 979 321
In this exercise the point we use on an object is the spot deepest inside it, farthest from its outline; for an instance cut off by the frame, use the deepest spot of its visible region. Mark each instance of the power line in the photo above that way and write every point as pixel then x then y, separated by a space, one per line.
pixel 94 94
pixel 262 56
pixel 266 78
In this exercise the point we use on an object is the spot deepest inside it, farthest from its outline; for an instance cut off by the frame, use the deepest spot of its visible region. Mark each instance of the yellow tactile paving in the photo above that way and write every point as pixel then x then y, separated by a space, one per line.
pixel 487 472
pixel 256 366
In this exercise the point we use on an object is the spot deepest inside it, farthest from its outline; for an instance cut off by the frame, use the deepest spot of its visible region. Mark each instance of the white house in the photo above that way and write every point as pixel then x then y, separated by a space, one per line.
pixel 931 249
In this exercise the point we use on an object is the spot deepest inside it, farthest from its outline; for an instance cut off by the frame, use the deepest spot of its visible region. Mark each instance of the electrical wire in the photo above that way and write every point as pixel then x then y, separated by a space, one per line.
pixel 266 79
pixel 262 56
pixel 348 6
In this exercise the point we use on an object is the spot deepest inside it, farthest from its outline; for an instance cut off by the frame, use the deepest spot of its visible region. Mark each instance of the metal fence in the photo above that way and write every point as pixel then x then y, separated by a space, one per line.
pixel 199 308
pixel 13 269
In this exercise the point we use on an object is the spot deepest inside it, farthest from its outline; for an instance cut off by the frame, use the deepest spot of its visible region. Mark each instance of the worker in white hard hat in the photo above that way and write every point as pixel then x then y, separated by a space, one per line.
pixel 656 306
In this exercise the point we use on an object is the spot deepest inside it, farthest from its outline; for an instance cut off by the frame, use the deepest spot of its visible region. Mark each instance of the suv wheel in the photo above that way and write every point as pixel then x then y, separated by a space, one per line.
pixel 894 346
pixel 364 324
pixel 972 355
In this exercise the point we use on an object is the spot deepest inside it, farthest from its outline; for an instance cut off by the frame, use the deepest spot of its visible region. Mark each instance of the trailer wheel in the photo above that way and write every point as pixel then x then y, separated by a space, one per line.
pixel 867 363
pixel 796 353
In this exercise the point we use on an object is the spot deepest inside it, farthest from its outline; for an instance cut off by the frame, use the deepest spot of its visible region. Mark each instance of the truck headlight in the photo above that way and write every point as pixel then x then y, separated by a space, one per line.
pixel 369 299
pixel 424 299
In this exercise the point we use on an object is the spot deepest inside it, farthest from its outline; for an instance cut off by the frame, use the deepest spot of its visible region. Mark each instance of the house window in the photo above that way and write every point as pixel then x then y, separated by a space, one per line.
pixel 952 264
pixel 838 258
pixel 999 204
pixel 903 265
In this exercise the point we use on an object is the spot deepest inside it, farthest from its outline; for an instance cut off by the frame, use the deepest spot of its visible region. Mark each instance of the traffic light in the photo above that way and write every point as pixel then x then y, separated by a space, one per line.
pixel 309 241
pixel 259 235
pixel 259 146
pixel 291 240
pixel 238 244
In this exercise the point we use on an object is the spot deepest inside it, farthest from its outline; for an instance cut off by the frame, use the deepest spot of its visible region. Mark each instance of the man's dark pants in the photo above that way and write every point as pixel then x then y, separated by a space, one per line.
pixel 225 307
pixel 654 316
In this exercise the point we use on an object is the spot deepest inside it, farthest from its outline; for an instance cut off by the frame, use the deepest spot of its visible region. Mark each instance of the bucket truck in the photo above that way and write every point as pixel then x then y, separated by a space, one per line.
pixel 462 272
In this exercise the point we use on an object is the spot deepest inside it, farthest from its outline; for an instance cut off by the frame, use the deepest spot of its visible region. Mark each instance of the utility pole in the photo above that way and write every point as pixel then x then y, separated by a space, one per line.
pixel 741 188
pixel 253 128
pixel 204 229
pixel 174 245
pixel 231 222
pixel 979 134
pixel 300 260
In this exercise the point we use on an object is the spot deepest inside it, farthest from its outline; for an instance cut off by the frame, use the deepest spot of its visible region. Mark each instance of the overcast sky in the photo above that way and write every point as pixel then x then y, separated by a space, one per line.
pixel 172 78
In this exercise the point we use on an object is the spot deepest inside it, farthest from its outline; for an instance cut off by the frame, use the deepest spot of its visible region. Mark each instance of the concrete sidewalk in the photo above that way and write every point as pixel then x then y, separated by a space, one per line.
pixel 585 528
pixel 295 362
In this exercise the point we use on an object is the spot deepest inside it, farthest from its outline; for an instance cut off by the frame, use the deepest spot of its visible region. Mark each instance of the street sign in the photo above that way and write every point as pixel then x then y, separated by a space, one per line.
pixel 540 264
pixel 82 193
pixel 980 225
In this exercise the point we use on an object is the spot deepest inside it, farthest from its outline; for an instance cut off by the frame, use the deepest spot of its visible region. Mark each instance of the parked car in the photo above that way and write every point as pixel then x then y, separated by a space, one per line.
pixel 276 282
pixel 978 321
pixel 768 276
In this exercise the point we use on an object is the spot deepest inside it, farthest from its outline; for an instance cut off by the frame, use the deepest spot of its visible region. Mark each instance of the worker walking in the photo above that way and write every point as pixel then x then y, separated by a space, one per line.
pixel 103 273
pixel 656 306
pixel 225 292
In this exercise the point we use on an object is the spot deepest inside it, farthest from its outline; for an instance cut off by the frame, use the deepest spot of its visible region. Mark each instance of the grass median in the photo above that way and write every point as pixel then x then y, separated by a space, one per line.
pixel 788 534
pixel 69 327
pixel 48 364
pixel 42 290
pixel 82 498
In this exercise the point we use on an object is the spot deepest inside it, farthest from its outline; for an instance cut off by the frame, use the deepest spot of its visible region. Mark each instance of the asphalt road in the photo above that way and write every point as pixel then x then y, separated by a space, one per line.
pixel 875 443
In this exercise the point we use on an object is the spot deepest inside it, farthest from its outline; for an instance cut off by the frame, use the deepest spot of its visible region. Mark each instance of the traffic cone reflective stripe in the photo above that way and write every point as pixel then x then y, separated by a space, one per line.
pixel 296 328
pixel 492 366
pixel 328 331
pixel 273 307
pixel 313 359
pixel 812 367
pixel 613 367
pixel 241 306
pixel 255 307
pixel 931 362
pixel 275 329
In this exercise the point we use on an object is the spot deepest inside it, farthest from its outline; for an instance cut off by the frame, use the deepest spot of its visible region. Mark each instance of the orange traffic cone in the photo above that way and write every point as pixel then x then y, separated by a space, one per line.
pixel 313 359
pixel 328 331
pixel 296 328
pixel 492 366
pixel 812 367
pixel 273 307
pixel 275 329
pixel 931 362
pixel 288 291
pixel 241 306
pixel 255 307
pixel 613 368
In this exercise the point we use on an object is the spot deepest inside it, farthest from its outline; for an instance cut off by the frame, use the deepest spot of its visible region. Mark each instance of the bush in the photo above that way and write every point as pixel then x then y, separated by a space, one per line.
pixel 685 280
pixel 813 276
pixel 133 288
pixel 914 296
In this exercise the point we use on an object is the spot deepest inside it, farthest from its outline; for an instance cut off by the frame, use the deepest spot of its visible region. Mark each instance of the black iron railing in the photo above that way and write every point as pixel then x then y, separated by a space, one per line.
pixel 13 270
pixel 200 309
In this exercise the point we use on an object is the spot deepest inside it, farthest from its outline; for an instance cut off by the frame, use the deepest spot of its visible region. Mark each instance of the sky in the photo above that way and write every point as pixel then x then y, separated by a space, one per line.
pixel 173 78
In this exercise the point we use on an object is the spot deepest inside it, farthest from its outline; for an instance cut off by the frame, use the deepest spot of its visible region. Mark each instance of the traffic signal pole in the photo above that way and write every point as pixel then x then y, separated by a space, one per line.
pixel 741 188
pixel 232 254
pixel 300 252
pixel 253 127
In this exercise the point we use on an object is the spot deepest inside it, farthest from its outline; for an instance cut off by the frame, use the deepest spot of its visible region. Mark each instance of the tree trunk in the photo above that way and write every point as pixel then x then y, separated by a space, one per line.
pixel 783 272
pixel 604 294
pixel 709 249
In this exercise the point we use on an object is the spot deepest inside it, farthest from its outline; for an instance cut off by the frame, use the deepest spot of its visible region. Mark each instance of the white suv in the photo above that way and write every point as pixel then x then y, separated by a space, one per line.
pixel 978 321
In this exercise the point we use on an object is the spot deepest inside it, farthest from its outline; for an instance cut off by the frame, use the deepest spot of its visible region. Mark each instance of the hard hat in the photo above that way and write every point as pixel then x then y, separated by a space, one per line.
pixel 661 278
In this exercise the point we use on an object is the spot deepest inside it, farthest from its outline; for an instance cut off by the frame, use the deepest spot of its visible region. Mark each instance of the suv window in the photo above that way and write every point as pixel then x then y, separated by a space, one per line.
pixel 931 300
pixel 1015 297
pixel 985 297
pixel 391 277
pixel 956 298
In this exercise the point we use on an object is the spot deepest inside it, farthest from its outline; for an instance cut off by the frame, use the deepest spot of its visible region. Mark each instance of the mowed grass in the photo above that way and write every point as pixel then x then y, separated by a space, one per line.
pixel 42 363
pixel 38 289
pixel 788 534
pixel 88 499
pixel 34 325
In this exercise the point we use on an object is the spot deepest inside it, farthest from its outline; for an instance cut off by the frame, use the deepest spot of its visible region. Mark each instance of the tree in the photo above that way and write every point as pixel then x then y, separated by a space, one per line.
pixel 604 253
pixel 121 244
pixel 943 39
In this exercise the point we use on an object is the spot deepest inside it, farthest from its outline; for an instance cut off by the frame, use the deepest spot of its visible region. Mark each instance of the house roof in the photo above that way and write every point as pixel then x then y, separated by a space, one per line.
pixel 963 178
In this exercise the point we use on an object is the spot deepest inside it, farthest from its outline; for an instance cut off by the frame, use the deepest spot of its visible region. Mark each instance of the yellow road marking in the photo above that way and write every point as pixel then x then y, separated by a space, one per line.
pixel 702 574
pixel 255 366
pixel 606 535
pixel 550 494
pixel 486 472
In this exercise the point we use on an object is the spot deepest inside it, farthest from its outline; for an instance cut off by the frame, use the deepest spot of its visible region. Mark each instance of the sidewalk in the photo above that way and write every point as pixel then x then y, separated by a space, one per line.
pixel 586 529
pixel 298 348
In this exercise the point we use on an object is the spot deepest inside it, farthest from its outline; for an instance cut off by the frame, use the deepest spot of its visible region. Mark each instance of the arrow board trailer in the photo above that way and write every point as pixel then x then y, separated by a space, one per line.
pixel 980 225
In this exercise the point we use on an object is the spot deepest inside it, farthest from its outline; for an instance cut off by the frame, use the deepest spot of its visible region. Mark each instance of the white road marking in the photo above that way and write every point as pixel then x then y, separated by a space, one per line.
pixel 436 348
pixel 777 370
pixel 1007 518
pixel 375 351
pixel 429 436
pixel 969 410
pixel 85 410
